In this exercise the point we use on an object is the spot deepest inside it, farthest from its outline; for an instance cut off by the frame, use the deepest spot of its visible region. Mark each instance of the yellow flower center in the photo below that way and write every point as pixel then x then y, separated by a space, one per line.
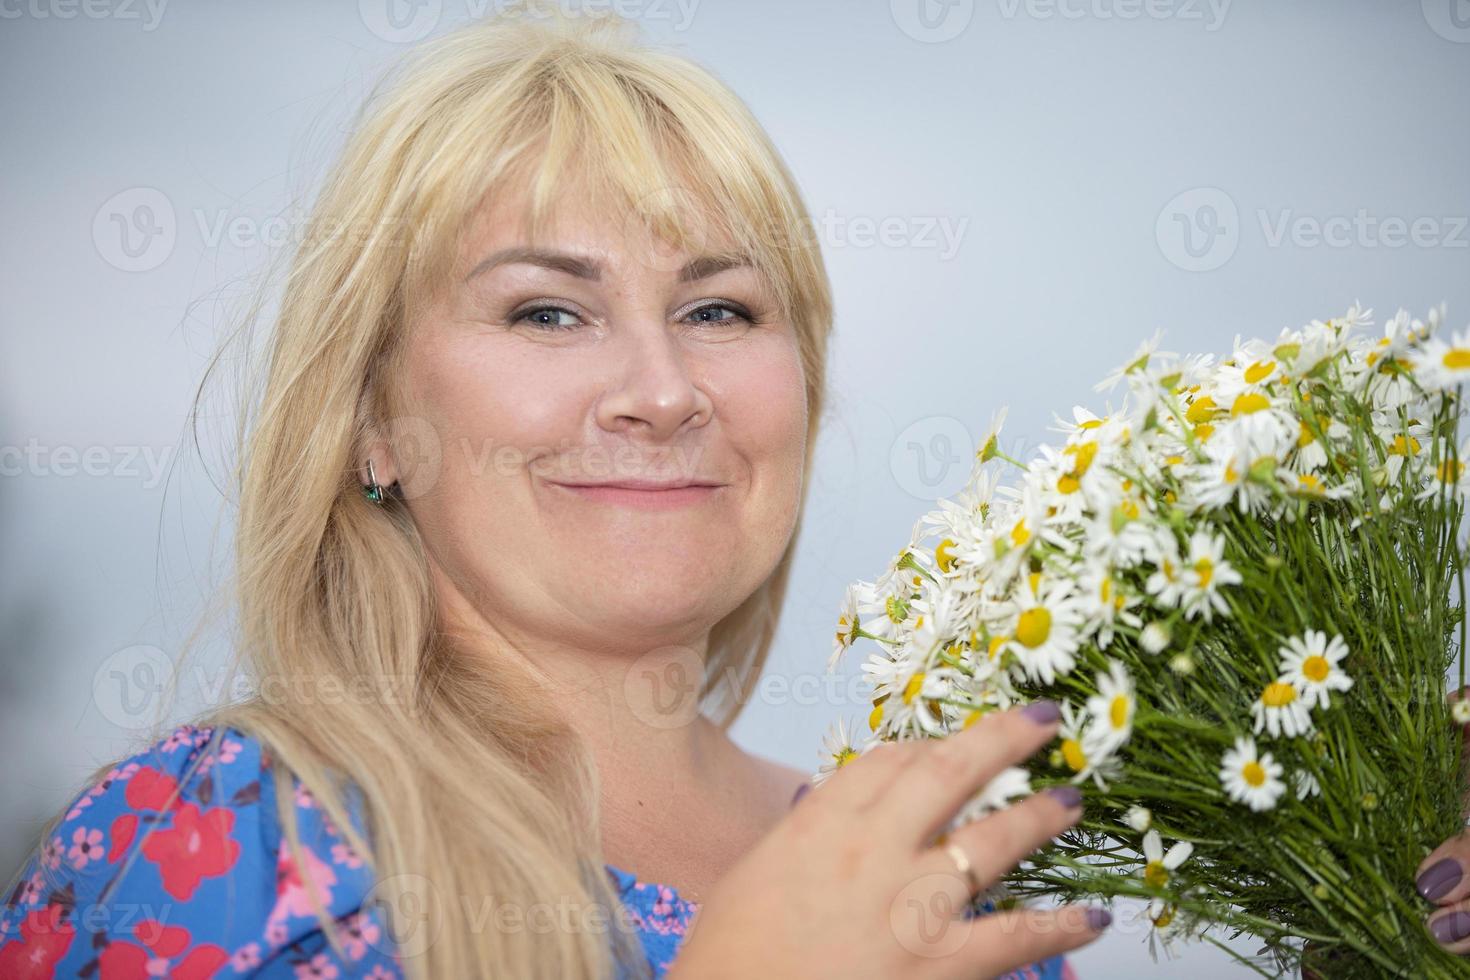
pixel 1278 694
pixel 1072 752
pixel 1034 627
pixel 1401 447
pixel 1316 668
pixel 1253 773
pixel 1205 569
pixel 1309 483
pixel 1203 431
pixel 943 556
pixel 1118 711
pixel 1155 874
pixel 1165 917
pixel 1449 470
pixel 1259 371
pixel 1457 358
pixel 1019 534
pixel 1251 401
pixel 912 687
pixel 1083 455
pixel 875 717
pixel 1202 410
pixel 1305 438
pixel 844 756
pixel 996 642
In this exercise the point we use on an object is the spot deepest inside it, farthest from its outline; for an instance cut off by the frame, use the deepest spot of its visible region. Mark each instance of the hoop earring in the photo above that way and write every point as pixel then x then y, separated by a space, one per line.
pixel 373 491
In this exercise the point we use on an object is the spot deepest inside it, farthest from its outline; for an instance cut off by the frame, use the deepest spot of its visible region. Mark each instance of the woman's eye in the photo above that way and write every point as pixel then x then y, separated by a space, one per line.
pixel 717 313
pixel 548 318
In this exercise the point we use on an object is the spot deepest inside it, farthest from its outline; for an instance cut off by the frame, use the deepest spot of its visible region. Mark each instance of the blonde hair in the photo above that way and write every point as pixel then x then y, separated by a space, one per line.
pixel 470 784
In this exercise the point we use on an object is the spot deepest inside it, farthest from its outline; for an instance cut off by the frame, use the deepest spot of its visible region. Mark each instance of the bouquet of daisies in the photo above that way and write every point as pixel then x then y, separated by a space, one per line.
pixel 1244 588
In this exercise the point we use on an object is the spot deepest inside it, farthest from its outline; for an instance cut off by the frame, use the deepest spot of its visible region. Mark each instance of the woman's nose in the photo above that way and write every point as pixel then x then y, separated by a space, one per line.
pixel 651 387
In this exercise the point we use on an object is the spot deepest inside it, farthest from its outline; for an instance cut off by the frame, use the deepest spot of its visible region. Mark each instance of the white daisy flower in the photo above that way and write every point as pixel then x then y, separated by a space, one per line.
pixel 1251 779
pixel 1045 635
pixel 1010 784
pixel 1121 537
pixel 1451 474
pixel 1106 601
pixel 1305 784
pixel 1310 663
pixel 1084 750
pixel 1440 365
pixel 849 627
pixel 1281 710
pixel 1114 705
pixel 837 751
pixel 1138 817
pixel 1166 582
pixel 1154 638
pixel 1206 572
pixel 1156 870
pixel 1460 712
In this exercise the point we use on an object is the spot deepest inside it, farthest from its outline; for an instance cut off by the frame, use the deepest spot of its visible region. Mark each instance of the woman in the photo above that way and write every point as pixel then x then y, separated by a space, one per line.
pixel 540 399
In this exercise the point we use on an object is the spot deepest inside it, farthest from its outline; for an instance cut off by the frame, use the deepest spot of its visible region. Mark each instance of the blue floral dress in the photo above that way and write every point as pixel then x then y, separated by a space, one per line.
pixel 140 880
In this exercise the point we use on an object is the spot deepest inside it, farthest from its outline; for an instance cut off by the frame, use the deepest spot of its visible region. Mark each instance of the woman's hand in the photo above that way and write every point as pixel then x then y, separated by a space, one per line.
pixel 1442 879
pixel 850 883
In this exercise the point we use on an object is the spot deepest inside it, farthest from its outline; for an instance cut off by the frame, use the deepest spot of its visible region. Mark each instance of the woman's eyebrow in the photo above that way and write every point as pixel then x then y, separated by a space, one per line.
pixel 588 268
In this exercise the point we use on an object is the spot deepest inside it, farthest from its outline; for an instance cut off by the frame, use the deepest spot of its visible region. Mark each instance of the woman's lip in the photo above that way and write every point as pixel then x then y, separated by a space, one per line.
pixel 645 498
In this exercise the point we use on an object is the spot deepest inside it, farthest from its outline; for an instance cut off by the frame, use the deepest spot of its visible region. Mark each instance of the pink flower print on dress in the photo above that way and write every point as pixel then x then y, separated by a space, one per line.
pixel 86 846
pixel 292 898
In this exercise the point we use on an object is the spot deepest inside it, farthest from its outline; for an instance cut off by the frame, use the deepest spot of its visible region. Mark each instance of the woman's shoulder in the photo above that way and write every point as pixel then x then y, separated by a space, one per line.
pixel 176 861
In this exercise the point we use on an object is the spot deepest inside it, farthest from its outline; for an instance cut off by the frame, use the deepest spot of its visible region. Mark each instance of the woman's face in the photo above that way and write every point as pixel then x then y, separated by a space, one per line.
pixel 621 432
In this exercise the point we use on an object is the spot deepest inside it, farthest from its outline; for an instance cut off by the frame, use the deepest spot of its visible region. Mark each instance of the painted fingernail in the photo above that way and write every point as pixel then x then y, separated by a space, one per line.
pixel 800 792
pixel 1067 796
pixel 1042 712
pixel 1439 878
pixel 1099 919
pixel 1450 928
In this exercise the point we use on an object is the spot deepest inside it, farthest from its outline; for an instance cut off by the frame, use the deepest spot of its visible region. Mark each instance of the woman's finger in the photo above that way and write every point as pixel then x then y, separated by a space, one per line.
pixel 938 780
pixel 1003 941
pixel 1450 927
pixel 858 783
pixel 1441 876
pixel 997 843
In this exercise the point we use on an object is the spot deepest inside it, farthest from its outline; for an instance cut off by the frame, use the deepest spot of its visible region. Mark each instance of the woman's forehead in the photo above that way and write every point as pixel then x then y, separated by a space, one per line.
pixel 599 230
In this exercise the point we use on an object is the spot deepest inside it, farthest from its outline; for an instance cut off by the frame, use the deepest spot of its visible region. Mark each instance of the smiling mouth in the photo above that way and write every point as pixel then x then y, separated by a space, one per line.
pixel 644 495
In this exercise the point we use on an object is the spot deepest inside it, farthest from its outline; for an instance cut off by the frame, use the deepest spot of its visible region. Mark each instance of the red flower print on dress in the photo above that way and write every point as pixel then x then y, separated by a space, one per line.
pixel 45 936
pixel 122 960
pixel 150 789
pixel 196 847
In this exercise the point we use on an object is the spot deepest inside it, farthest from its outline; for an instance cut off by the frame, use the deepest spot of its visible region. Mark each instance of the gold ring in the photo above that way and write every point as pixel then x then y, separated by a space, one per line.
pixel 963 866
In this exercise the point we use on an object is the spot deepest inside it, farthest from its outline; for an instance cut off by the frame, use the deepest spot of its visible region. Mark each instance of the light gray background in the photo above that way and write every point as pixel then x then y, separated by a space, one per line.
pixel 1003 190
